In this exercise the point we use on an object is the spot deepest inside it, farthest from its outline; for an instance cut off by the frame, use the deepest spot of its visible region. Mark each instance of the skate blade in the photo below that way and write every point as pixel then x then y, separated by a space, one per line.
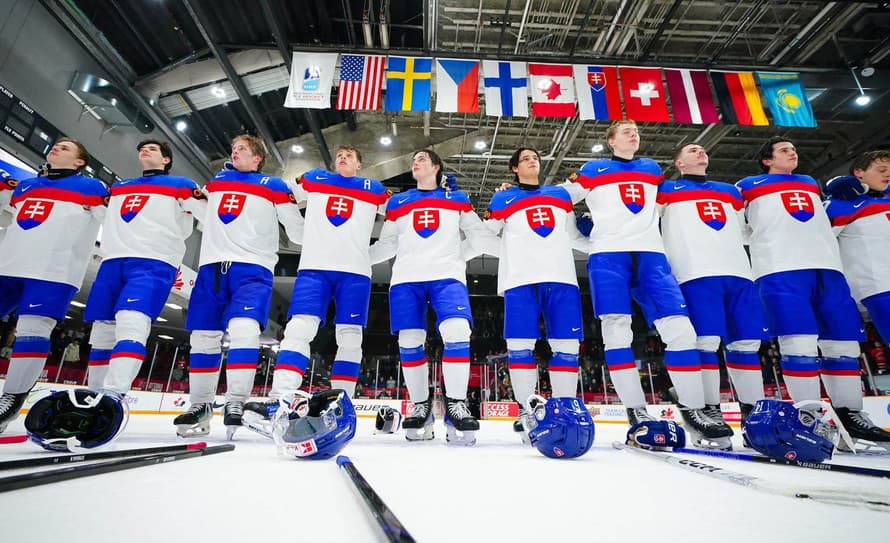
pixel 453 436
pixel 420 434
pixel 192 430
pixel 256 423
pixel 230 431
pixel 864 446
pixel 716 444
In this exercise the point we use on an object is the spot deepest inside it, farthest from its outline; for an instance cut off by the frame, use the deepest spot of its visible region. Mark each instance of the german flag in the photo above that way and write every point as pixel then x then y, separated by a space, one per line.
pixel 739 98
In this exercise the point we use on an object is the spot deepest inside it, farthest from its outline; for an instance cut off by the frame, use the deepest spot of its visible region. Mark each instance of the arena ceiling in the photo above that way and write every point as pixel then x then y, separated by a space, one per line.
pixel 219 65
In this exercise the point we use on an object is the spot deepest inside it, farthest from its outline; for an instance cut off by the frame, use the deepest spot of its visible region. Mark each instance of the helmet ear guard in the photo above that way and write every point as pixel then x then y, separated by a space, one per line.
pixel 316 426
pixel 559 427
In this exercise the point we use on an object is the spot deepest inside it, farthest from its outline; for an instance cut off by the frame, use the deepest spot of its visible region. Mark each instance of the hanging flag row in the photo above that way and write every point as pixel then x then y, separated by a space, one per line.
pixel 557 90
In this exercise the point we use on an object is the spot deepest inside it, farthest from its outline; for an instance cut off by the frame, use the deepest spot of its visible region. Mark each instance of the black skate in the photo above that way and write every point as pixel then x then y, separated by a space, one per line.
pixel 419 426
pixel 10 407
pixel 745 409
pixel 258 416
pixel 861 431
pixel 195 422
pixel 232 413
pixel 636 415
pixel 460 425
pixel 706 432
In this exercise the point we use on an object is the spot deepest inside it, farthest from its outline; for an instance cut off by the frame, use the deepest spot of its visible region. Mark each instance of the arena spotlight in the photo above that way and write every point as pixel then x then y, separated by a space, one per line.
pixel 598 148
pixel 296 149
pixel 480 145
pixel 863 99
pixel 385 140
pixel 181 126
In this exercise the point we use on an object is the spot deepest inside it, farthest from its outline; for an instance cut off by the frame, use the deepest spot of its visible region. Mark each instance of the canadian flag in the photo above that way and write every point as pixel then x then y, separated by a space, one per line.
pixel 552 89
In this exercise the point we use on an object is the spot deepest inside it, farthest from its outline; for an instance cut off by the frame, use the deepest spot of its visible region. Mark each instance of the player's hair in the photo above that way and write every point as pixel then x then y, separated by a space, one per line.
pixel 166 150
pixel 358 154
pixel 613 128
pixel 514 160
pixel 257 147
pixel 82 152
pixel 436 160
pixel 863 161
pixel 679 149
pixel 766 151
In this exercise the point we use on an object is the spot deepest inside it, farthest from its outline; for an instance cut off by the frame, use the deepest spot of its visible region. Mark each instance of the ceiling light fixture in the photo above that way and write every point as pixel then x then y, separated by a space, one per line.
pixel 863 99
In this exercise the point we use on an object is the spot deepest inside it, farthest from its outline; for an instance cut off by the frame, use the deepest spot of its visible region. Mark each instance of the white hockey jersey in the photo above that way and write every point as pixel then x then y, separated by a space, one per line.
pixel 242 216
pixel 151 216
pixel 340 214
pixel 620 195
pixel 55 227
pixel 789 227
pixel 538 233
pixel 422 230
pixel 863 232
pixel 703 224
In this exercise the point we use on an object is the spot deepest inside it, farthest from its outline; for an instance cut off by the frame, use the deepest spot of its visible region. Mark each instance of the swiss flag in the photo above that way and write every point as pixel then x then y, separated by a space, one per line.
pixel 426 222
pixel 644 96
pixel 230 207
pixel 338 210
pixel 799 205
pixel 33 213
pixel 633 195
pixel 712 214
pixel 541 220
pixel 552 89
pixel 132 205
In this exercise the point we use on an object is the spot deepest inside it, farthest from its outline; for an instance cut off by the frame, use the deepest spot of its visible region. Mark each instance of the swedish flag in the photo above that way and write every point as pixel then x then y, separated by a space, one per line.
pixel 408 84
pixel 786 98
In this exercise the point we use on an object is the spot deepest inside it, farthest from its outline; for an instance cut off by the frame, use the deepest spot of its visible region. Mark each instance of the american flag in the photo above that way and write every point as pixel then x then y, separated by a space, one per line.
pixel 361 78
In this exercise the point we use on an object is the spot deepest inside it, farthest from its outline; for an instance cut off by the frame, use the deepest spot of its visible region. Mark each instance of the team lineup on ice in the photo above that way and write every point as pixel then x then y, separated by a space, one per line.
pixel 676 248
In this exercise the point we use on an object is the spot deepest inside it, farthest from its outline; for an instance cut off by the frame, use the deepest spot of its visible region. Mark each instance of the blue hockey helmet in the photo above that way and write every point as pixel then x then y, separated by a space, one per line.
pixel 315 428
pixel 77 419
pixel 561 428
pixel 777 430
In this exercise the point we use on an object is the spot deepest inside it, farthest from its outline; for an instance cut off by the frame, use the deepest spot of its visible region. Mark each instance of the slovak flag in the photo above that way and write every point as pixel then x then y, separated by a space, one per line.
pixel 426 222
pixel 230 207
pixel 541 220
pixel 598 95
pixel 552 89
pixel 132 205
pixel 799 205
pixel 457 86
pixel 33 213
pixel 338 210
pixel 506 88
pixel 644 96
pixel 712 214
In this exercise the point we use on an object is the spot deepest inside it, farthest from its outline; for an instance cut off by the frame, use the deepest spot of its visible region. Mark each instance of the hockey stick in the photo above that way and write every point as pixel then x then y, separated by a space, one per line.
pixel 833 496
pixel 822 466
pixel 86 457
pixel 7 440
pixel 392 528
pixel 75 472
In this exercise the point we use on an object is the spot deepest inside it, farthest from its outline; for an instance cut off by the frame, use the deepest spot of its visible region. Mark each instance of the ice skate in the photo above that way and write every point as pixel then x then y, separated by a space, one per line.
pixel 636 415
pixel 460 425
pixel 195 422
pixel 520 428
pixel 10 407
pixel 863 435
pixel 705 432
pixel 257 416
pixel 419 426
pixel 745 409
pixel 232 413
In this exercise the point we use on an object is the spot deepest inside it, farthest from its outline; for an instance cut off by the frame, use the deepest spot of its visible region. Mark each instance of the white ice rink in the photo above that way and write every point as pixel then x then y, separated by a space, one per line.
pixel 498 490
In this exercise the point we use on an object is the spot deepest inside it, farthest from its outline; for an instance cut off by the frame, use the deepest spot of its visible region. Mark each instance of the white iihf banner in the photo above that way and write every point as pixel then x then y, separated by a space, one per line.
pixel 311 80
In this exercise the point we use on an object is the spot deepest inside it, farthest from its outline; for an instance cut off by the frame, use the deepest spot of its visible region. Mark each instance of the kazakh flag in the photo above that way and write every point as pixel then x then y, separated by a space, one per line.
pixel 786 98
pixel 408 84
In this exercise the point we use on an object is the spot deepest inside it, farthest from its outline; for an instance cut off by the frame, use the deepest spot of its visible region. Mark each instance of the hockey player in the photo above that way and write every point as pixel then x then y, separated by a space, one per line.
pixel 797 268
pixel 704 231
pixel 234 285
pixel 334 265
pixel 45 254
pixel 627 261
pixel 537 277
pixel 859 209
pixel 423 231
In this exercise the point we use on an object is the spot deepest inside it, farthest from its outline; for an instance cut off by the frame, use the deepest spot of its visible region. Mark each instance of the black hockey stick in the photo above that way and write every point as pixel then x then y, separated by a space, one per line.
pixel 822 466
pixel 28 480
pixel 86 457
pixel 825 495
pixel 392 528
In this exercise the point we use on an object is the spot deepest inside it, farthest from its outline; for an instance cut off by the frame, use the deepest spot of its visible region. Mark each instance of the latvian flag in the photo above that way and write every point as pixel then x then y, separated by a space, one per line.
pixel 691 98
pixel 739 99
pixel 457 86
